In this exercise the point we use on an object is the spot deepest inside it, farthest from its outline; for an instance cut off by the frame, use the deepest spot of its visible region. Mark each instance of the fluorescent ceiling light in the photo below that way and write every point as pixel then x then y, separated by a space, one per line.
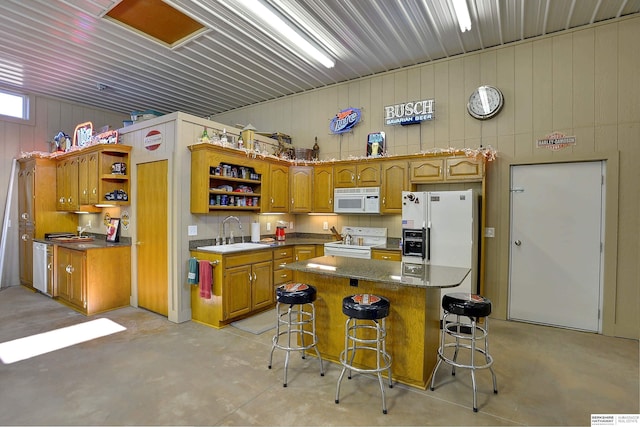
pixel 275 22
pixel 462 13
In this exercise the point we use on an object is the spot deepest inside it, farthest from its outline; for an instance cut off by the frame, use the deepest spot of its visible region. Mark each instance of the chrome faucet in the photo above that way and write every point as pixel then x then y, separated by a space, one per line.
pixel 224 221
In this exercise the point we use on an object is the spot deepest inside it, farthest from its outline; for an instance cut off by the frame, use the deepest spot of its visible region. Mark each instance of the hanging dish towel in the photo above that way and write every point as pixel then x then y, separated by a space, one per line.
pixel 192 276
pixel 206 279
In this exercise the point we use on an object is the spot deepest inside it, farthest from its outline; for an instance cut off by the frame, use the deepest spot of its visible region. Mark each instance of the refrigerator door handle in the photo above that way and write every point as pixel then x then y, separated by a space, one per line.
pixel 426 243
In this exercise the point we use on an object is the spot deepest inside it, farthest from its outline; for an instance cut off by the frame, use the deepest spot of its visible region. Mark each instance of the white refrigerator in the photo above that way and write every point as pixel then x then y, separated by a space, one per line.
pixel 444 227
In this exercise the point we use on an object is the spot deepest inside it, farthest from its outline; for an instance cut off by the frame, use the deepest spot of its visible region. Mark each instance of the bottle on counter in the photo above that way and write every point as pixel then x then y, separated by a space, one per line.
pixel 205 135
pixel 223 138
pixel 240 142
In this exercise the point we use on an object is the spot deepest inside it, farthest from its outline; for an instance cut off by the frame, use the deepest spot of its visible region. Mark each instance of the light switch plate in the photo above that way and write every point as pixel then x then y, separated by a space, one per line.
pixel 325 225
pixel 268 226
pixel 192 230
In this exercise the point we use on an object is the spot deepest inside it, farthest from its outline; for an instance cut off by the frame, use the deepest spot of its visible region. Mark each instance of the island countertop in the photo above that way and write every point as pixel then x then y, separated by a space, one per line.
pixel 392 272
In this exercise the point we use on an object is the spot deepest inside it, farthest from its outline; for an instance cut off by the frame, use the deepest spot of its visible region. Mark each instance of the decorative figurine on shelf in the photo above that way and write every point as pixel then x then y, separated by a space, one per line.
pixel 316 151
pixel 205 136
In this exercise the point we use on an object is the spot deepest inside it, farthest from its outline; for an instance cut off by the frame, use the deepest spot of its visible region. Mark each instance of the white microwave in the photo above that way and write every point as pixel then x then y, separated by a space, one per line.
pixel 356 200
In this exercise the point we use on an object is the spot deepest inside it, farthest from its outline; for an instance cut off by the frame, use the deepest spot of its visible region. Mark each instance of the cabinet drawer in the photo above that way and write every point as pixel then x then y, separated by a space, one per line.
pixel 281 262
pixel 280 253
pixel 248 258
pixel 386 255
pixel 282 276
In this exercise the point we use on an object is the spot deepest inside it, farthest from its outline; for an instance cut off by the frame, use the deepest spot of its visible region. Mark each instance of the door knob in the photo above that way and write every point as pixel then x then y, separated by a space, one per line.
pixel 518 242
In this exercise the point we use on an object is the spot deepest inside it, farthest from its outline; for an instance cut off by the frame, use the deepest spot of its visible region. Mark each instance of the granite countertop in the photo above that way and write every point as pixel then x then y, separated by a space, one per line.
pixel 98 242
pixel 390 272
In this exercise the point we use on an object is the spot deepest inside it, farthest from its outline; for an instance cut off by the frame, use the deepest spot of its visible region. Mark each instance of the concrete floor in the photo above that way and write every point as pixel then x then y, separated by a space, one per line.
pixel 160 373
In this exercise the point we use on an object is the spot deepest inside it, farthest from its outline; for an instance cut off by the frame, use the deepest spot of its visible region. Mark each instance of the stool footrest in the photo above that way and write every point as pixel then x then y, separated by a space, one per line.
pixel 450 361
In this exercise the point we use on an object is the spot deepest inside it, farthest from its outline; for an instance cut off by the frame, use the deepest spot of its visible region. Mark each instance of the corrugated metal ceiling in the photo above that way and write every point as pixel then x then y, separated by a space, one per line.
pixel 65 49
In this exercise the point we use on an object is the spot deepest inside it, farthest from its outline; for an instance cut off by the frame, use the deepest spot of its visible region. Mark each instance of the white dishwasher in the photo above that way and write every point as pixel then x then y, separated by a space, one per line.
pixel 41 266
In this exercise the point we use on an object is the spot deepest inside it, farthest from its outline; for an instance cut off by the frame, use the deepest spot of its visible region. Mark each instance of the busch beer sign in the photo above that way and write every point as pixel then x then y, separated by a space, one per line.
pixel 409 112
pixel 345 120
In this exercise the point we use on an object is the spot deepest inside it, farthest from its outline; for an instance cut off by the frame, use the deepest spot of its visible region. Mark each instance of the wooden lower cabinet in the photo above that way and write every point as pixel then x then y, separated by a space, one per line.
pixel 94 280
pixel 242 284
pixel 302 252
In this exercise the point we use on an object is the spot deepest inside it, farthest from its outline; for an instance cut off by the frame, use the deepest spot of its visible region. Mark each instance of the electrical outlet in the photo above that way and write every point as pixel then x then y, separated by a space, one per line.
pixel 268 226
pixel 325 225
pixel 89 224
pixel 291 225
pixel 192 230
pixel 489 232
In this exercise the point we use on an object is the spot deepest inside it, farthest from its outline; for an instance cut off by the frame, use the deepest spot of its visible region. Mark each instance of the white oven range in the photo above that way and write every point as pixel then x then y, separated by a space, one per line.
pixel 357 242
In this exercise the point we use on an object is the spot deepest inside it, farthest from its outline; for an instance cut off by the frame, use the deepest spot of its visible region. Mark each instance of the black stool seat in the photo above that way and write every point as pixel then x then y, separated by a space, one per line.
pixel 466 304
pixel 365 306
pixel 295 293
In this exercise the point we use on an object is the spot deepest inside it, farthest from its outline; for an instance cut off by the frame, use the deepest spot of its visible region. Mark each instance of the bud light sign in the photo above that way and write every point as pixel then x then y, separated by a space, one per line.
pixel 345 120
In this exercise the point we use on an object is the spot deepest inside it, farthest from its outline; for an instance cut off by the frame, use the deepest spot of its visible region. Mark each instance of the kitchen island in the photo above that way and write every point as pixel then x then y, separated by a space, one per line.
pixel 413 323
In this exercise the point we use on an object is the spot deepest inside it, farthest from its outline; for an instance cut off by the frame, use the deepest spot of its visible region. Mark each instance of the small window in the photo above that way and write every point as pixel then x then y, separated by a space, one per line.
pixel 14 105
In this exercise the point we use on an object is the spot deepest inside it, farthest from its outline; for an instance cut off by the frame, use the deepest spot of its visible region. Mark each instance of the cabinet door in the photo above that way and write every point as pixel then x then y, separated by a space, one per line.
pixel 236 291
pixel 262 287
pixel 323 189
pixel 77 285
pixel 464 168
pixel 302 252
pixel 394 181
pixel 92 181
pixel 301 188
pixel 26 180
pixel 63 257
pixel 61 188
pixel 427 170
pixel 368 175
pixel 83 180
pixel 26 255
pixel 278 189
pixel 344 176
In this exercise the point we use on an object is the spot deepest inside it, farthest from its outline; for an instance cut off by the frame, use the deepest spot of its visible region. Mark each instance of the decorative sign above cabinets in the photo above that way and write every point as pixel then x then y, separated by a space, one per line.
pixel 345 120
pixel 556 141
pixel 153 140
pixel 82 135
pixel 409 112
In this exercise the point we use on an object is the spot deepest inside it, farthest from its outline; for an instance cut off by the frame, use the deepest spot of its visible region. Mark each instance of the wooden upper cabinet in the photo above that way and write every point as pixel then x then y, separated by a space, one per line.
pixel 395 180
pixel 323 189
pixel 459 168
pixel 464 168
pixel 301 188
pixel 357 175
pixel 88 182
pixel 278 183
pixel 426 170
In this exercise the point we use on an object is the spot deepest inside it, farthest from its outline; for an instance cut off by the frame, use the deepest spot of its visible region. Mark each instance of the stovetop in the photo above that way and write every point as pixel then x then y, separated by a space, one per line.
pixel 371 237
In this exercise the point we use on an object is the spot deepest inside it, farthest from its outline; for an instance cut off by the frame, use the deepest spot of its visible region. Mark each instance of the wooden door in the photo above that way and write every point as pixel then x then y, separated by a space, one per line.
pixel 301 188
pixel 394 181
pixel 556 258
pixel 323 189
pixel 92 179
pixel 77 283
pixel 236 291
pixel 152 238
pixel 262 294
pixel 279 189
pixel 344 175
pixel 83 180
pixel 368 175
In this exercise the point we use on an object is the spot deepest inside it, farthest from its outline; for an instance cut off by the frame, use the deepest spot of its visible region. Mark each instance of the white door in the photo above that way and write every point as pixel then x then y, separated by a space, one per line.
pixel 557 218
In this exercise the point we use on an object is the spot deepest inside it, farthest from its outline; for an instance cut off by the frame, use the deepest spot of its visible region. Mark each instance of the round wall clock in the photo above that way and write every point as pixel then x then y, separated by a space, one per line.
pixel 485 102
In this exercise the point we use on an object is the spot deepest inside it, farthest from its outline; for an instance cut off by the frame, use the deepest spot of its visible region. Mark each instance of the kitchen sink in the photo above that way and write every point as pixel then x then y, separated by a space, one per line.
pixel 233 247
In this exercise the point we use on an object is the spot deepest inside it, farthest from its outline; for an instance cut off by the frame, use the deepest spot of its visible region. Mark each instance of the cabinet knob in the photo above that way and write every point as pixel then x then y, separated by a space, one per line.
pixel 249 276
pixel 518 242
pixel 49 267
pixel 69 269
pixel 254 276
pixel 138 243
pixel 25 237
pixel 385 257
pixel 61 200
pixel 94 191
pixel 384 201
pixel 330 201
pixel 24 216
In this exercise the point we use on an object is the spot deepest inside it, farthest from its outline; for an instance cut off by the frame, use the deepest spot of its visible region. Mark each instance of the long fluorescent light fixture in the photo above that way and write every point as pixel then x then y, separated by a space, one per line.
pixel 462 13
pixel 275 22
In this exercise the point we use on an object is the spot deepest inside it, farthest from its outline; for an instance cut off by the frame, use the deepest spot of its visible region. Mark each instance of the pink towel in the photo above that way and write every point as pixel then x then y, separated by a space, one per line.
pixel 206 279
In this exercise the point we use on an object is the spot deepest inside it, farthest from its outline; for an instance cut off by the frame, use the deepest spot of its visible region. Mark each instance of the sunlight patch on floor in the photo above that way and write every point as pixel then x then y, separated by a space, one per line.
pixel 35 345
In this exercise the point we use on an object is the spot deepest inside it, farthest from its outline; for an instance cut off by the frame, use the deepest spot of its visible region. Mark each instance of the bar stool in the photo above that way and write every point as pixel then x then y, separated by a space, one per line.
pixel 473 307
pixel 301 312
pixel 366 312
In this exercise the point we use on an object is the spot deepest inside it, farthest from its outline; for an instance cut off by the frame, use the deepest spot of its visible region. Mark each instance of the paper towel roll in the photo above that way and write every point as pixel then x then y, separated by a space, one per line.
pixel 255 232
